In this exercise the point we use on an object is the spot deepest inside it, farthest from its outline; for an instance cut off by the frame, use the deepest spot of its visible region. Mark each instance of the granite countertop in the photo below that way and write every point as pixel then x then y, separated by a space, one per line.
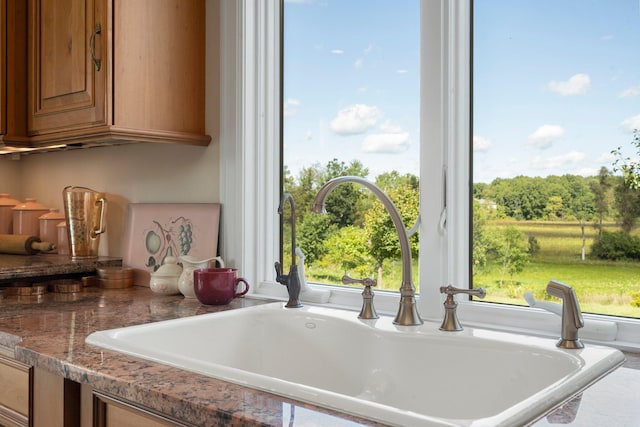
pixel 49 332
pixel 24 267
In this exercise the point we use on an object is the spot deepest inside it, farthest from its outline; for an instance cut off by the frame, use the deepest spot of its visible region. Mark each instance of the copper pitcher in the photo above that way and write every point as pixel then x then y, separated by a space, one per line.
pixel 84 211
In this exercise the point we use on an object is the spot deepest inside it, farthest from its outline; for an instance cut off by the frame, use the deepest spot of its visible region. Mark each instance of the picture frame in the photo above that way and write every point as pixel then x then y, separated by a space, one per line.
pixel 154 231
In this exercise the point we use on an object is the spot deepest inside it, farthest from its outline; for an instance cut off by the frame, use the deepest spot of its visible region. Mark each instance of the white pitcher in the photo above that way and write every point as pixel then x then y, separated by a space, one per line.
pixel 189 264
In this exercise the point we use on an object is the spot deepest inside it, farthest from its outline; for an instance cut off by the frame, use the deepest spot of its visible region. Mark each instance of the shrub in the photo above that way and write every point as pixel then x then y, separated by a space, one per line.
pixel 534 246
pixel 616 246
pixel 635 302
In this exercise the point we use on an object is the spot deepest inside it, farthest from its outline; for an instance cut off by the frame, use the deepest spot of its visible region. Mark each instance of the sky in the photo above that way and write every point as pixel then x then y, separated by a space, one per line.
pixel 556 84
pixel 352 83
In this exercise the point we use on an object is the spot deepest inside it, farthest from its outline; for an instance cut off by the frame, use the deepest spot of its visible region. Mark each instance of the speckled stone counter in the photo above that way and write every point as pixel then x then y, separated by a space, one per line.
pixel 25 267
pixel 49 332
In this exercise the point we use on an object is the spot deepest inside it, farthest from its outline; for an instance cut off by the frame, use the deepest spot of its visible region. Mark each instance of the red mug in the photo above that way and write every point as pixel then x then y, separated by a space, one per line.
pixel 217 286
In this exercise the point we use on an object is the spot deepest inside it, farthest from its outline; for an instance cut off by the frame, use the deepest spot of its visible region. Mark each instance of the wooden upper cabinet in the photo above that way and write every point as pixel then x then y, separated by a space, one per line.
pixel 66 91
pixel 116 70
pixel 3 66
pixel 13 72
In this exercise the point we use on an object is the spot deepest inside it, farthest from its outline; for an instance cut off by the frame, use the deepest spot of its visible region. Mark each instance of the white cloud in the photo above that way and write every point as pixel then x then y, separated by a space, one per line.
pixel 605 158
pixel 631 124
pixel 632 91
pixel 401 71
pixel 576 85
pixel 481 144
pixel 387 127
pixel 359 63
pixel 291 106
pixel 606 37
pixel 545 135
pixel 388 143
pixel 355 119
pixel 337 51
pixel 558 163
pixel 368 49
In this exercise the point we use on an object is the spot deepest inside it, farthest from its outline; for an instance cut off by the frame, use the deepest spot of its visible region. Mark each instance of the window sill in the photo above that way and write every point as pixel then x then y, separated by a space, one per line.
pixel 602 330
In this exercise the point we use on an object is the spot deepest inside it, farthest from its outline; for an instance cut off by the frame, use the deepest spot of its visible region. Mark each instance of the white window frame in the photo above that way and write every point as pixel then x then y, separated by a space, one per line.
pixel 249 166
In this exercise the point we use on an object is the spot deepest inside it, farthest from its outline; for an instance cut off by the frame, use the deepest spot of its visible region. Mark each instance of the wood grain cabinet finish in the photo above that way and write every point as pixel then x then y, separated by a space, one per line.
pixel 13 72
pixel 111 412
pixel 15 393
pixel 116 70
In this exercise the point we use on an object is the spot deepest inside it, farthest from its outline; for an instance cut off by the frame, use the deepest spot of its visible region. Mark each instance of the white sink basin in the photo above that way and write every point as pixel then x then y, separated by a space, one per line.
pixel 403 375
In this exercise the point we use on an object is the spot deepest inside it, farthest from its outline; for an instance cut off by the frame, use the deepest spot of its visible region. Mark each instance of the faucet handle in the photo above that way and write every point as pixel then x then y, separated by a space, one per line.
pixel 450 322
pixel 280 278
pixel 368 311
pixel 366 282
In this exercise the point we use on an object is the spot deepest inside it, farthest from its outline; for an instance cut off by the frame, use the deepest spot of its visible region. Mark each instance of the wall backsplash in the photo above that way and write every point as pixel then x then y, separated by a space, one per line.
pixel 135 173
pixel 10 176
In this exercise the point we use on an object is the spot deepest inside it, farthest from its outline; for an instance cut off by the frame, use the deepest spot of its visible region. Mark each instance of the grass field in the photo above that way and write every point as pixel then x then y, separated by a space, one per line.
pixel 603 287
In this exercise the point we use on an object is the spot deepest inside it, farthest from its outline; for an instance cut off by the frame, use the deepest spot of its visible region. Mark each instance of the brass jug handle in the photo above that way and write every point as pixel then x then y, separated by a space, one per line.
pixel 101 227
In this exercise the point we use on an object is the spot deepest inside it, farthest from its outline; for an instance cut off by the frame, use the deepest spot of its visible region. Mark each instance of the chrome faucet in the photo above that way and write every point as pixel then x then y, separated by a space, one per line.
pixel 291 280
pixel 407 312
pixel 571 315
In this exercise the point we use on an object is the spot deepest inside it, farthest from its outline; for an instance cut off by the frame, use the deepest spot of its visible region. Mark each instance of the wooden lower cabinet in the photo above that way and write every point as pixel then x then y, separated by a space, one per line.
pixel 32 397
pixel 112 412
pixel 56 400
pixel 15 393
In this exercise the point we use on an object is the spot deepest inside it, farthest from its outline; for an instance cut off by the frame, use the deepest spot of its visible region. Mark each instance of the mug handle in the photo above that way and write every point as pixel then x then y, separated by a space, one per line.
pixel 246 287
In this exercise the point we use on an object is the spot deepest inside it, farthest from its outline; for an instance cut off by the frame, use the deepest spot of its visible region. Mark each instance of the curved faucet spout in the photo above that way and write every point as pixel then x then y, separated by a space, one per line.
pixel 291 280
pixel 407 312
pixel 283 199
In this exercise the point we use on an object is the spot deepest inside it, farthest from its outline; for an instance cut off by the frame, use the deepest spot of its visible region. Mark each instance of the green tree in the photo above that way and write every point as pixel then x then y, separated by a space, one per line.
pixel 513 252
pixel 482 242
pixel 554 208
pixel 628 205
pixel 312 237
pixel 342 203
pixel 380 231
pixel 304 188
pixel 630 168
pixel 601 189
pixel 627 192
pixel 348 248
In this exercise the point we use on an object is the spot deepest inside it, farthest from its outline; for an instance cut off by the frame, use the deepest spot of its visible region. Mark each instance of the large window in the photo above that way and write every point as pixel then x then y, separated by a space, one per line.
pixel 556 102
pixel 451 176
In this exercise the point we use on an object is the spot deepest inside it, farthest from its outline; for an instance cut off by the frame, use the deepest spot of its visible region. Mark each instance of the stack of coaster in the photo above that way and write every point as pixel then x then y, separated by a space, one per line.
pixel 115 277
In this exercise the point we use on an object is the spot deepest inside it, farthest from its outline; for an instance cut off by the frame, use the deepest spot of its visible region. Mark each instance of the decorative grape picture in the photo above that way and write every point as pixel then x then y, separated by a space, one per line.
pixel 155 231
pixel 172 239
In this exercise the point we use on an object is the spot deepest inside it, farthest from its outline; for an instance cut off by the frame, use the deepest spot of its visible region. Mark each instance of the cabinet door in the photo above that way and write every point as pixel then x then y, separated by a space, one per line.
pixel 109 412
pixel 3 66
pixel 15 393
pixel 67 65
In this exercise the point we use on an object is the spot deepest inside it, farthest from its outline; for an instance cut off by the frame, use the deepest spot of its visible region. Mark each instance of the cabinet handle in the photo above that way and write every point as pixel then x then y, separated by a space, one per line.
pixel 92 40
